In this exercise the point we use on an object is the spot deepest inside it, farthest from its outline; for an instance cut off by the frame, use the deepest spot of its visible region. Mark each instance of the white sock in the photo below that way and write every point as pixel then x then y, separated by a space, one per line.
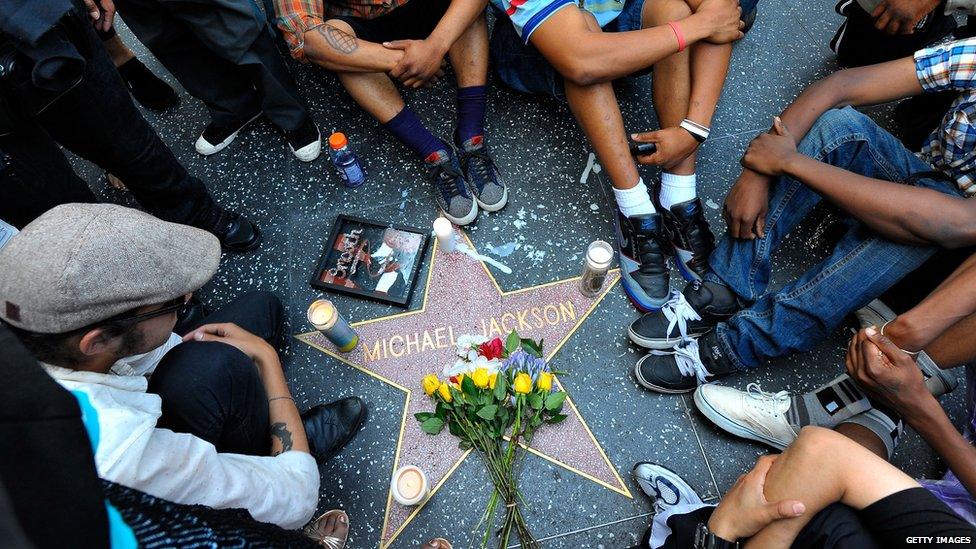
pixel 677 188
pixel 635 200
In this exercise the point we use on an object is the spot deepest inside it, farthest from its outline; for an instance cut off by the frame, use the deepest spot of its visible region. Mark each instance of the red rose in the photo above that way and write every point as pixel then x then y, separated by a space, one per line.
pixel 492 349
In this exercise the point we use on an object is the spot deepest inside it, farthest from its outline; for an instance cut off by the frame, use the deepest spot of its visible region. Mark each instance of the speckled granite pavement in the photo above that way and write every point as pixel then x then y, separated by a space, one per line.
pixel 541 235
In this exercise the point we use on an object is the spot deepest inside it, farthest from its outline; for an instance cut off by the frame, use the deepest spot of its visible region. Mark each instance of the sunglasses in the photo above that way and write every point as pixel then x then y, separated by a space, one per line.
pixel 179 304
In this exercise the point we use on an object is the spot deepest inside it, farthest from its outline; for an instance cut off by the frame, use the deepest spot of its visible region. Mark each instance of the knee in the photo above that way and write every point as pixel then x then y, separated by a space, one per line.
pixel 816 443
pixel 196 366
pixel 833 125
pixel 661 12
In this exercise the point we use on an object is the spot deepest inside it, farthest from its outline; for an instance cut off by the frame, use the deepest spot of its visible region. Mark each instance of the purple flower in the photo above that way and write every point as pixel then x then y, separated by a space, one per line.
pixel 521 361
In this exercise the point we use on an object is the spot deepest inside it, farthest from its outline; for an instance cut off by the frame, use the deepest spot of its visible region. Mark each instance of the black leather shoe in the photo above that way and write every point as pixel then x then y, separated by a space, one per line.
pixel 695 313
pixel 683 369
pixel 692 238
pixel 237 233
pixel 329 427
pixel 191 315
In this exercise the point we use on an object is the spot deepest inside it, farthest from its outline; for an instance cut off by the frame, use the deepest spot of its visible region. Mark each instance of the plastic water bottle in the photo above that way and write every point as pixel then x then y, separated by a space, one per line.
pixel 345 161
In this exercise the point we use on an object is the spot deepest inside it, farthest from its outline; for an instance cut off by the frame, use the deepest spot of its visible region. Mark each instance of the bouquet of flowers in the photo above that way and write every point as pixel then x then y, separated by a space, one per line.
pixel 494 398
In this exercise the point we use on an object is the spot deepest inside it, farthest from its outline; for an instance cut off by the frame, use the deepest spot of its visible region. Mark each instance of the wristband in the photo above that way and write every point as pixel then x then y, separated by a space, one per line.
pixel 677 34
pixel 912 353
pixel 270 400
pixel 699 132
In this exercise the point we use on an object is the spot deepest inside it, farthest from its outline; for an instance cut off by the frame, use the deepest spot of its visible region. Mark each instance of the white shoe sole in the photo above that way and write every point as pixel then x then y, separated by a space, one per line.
pixel 467 219
pixel 651 387
pixel 732 427
pixel 207 148
pixel 659 344
pixel 309 152
pixel 501 203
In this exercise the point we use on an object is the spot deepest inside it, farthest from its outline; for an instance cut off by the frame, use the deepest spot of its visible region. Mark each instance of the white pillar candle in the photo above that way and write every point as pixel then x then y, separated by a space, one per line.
pixel 409 485
pixel 444 230
pixel 599 256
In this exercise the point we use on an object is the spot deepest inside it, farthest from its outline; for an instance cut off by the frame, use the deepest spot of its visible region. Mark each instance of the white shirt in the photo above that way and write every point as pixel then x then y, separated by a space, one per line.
pixel 178 467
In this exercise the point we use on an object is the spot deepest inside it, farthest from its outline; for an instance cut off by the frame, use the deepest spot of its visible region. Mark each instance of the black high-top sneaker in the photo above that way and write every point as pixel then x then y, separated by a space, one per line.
pixel 681 370
pixel 644 249
pixel 692 238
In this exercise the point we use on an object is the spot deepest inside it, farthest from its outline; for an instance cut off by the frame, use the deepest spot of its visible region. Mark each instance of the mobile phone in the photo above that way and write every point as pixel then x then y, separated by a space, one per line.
pixel 640 149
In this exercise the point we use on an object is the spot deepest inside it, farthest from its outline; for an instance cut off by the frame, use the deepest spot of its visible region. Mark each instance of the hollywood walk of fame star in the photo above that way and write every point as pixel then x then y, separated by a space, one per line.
pixel 462 297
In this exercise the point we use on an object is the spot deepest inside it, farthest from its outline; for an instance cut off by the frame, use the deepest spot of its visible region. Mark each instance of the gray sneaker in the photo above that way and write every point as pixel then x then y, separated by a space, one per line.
pixel 451 190
pixel 489 189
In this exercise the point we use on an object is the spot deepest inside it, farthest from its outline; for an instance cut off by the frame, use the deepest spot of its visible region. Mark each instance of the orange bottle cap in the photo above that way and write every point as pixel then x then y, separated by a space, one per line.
pixel 338 140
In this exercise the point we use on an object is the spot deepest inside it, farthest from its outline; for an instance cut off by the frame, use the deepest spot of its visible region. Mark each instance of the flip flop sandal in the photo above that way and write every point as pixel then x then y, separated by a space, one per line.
pixel 329 542
pixel 441 543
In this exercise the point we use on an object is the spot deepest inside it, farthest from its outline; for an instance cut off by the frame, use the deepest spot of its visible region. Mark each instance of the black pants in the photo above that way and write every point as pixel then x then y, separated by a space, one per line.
pixel 97 121
pixel 213 390
pixel 222 53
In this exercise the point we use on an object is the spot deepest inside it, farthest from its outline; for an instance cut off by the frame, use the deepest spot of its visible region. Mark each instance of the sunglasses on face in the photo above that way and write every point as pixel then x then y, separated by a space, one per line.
pixel 178 304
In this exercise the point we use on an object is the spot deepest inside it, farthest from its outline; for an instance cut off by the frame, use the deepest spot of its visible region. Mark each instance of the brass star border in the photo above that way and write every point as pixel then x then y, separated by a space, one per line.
pixel 317 341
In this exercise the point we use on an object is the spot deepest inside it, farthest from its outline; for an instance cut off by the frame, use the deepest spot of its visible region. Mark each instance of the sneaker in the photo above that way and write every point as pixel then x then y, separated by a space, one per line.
pixel 216 137
pixel 937 380
pixel 644 250
pixel 693 313
pixel 329 427
pixel 305 142
pixel 236 232
pixel 147 88
pixel 753 414
pixel 692 238
pixel 665 487
pixel 683 368
pixel 489 190
pixel 452 192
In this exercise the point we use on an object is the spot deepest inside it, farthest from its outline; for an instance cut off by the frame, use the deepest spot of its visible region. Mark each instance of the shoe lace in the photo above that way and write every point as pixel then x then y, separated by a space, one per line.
pixel 679 312
pixel 687 357
pixel 445 178
pixel 756 392
pixel 482 164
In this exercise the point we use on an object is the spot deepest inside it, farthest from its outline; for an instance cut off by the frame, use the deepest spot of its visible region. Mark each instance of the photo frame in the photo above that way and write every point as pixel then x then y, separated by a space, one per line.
pixel 371 259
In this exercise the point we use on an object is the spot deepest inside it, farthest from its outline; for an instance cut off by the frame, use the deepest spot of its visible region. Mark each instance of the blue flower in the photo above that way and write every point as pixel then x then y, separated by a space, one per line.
pixel 521 361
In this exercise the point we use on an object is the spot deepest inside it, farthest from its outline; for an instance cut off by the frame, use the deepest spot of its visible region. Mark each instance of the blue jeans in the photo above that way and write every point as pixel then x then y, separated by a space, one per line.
pixel 861 266
pixel 524 69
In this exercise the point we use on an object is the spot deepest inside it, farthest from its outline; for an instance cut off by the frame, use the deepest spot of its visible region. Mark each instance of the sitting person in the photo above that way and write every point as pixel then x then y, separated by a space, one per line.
pixel 891 379
pixel 93 292
pixel 557 48
pixel 802 498
pixel 901 208
pixel 370 44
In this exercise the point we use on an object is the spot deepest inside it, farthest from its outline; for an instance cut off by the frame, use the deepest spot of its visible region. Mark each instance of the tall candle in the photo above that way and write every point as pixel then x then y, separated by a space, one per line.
pixel 409 485
pixel 327 320
pixel 599 256
pixel 446 239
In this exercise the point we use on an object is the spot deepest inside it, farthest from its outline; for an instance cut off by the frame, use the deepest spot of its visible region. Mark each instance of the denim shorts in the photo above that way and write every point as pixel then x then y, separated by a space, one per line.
pixel 524 69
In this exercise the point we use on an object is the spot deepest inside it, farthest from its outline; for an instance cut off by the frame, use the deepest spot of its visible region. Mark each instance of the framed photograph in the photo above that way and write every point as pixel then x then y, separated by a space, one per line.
pixel 366 258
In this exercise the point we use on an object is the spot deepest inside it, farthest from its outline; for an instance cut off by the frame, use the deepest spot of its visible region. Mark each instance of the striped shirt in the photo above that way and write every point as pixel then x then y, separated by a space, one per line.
pixel 950 147
pixel 527 15
pixel 296 17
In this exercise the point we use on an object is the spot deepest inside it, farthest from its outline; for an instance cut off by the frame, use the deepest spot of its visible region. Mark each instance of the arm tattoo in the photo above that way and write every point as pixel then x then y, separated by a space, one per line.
pixel 279 431
pixel 339 40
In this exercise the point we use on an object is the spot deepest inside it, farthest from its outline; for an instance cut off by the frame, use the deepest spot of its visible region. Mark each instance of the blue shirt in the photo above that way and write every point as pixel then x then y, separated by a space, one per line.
pixel 527 15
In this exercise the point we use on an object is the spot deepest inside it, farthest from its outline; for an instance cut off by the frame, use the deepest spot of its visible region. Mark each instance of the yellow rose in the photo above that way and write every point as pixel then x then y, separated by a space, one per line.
pixel 430 384
pixel 523 383
pixel 480 378
pixel 492 380
pixel 445 392
pixel 544 382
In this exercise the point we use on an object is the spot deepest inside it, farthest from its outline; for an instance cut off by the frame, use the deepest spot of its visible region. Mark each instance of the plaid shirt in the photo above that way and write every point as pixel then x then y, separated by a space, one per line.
pixel 296 17
pixel 950 147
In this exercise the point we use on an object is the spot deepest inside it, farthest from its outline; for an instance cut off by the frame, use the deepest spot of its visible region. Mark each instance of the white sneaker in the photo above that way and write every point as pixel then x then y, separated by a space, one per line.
pixel 753 413
pixel 216 137
pixel 665 487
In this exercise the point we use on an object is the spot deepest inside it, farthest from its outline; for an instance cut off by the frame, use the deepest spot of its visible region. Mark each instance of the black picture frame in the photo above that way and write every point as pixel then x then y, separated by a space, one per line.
pixel 357 266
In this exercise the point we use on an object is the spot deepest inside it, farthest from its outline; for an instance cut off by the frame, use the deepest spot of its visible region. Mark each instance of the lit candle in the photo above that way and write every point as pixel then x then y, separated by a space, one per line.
pixel 599 256
pixel 446 239
pixel 409 485
pixel 326 319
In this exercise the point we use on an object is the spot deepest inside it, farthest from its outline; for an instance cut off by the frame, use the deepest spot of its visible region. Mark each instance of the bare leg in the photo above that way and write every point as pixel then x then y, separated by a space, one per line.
pixel 117 50
pixel 809 471
pixel 865 437
pixel 469 55
pixel 595 108
pixel 671 82
pixel 956 346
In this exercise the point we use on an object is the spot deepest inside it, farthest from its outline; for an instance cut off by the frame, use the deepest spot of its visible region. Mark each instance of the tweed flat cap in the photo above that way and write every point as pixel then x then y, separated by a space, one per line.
pixel 81 263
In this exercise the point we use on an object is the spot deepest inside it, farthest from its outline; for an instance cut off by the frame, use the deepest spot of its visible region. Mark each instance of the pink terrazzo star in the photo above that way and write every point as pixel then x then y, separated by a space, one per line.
pixel 463 298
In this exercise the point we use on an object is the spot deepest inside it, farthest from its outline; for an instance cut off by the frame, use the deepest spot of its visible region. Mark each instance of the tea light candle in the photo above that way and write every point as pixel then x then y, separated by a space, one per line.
pixel 446 239
pixel 599 256
pixel 327 320
pixel 409 485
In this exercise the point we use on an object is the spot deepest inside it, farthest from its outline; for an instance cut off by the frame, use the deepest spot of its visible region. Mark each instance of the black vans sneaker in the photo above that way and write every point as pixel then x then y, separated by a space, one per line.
pixel 681 370
pixel 644 249
pixel 687 315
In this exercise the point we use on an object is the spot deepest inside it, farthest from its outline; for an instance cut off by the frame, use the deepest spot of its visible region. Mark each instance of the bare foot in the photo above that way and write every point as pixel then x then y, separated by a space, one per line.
pixel 437 543
pixel 331 529
pixel 115 182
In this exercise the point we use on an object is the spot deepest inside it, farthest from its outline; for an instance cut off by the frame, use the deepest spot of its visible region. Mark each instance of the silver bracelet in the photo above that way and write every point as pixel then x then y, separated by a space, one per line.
pixel 270 400
pixel 912 353
pixel 698 131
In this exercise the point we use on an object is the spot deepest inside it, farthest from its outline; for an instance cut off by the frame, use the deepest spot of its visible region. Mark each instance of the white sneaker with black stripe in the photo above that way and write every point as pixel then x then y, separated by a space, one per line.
pixel 665 487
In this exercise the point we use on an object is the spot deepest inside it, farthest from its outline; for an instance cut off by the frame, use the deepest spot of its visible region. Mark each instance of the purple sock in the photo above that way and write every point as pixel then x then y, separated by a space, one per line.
pixel 471 112
pixel 409 129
